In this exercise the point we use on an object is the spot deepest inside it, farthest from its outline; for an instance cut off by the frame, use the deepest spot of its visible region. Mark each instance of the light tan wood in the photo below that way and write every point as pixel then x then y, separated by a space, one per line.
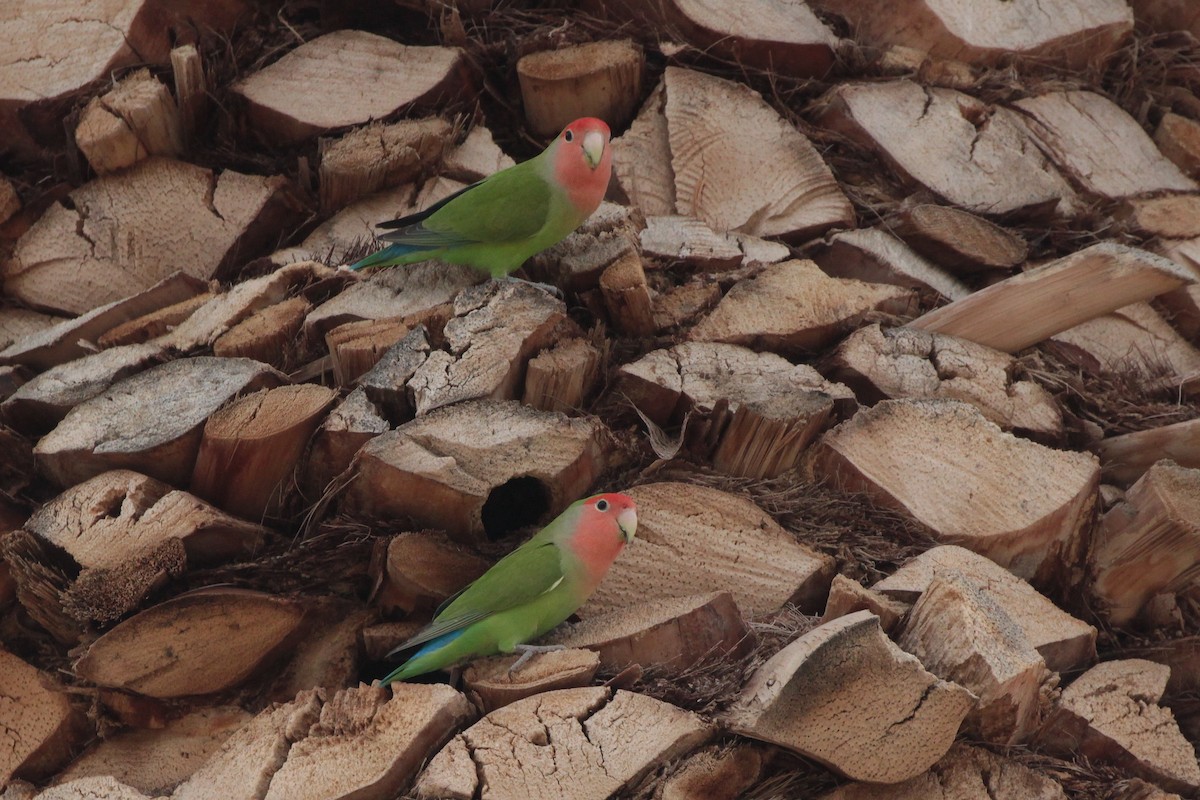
pixel 1178 138
pixel 356 347
pixel 478 469
pixel 17 323
pixel 693 539
pixel 894 363
pixel 958 240
pixel 423 568
pixel 134 120
pixel 1067 644
pixel 40 581
pixel 304 93
pixel 1126 458
pixel 170 214
pixel 95 787
pixel 716 773
pixel 1111 714
pixel 153 324
pixel 150 422
pixel 1172 216
pixel 576 263
pixel 562 377
pixel 329 657
pixel 378 156
pixel 681 305
pixel 594 741
pixel 928 136
pixel 600 79
pixel 351 423
pixel 627 296
pixel 268 335
pixel 492 685
pixel 844 695
pixel 191 89
pixel 38 725
pixel 476 157
pixel 1100 278
pixel 388 382
pixel 675 238
pixel 793 307
pixel 1148 544
pixel 847 596
pixel 961 488
pixel 872 254
pixel 382 638
pixel 642 158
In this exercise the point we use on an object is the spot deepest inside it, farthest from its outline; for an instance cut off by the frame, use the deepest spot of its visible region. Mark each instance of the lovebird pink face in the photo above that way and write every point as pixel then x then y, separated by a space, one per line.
pixel 583 162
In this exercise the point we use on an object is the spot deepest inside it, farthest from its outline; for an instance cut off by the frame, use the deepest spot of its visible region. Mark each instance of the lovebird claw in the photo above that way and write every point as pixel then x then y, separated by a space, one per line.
pixel 528 651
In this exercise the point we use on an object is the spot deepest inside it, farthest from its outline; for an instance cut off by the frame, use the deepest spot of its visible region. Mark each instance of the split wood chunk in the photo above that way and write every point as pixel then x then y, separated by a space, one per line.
pixel 304 93
pixel 96 787
pixel 627 296
pixel 17 323
pixel 870 254
pixel 356 347
pixel 958 240
pixel 382 638
pixel 1178 138
pixel 1066 643
pixel 910 362
pixel 477 157
pixel 135 120
pixel 44 400
pixel 582 744
pixel 1125 458
pixel 793 307
pixel 937 138
pixel 201 642
pixel 1111 714
pixel 191 89
pixel 268 335
pixel 963 635
pixel 1100 279
pixel 43 346
pixel 673 632
pixel 1098 145
pixel 41 578
pixel 562 377
pixel 577 262
pixel 251 447
pixel 491 685
pixel 715 773
pixel 10 201
pixel 386 383
pixel 150 422
pixel 1149 544
pixel 1080 33
pixel 328 657
pixel 423 569
pixel 844 695
pixel 642 158
pixel 242 769
pixel 478 469
pixel 369 745
pixel 964 773
pixel 692 539
pixel 599 79
pixel 345 236
pixel 676 238
pixel 38 726
pixel 1172 216
pixel 497 327
pixel 847 596
pixel 378 156
pixel 155 761
pixel 681 305
pixel 153 324
pixel 350 425
pixel 961 488
pixel 163 213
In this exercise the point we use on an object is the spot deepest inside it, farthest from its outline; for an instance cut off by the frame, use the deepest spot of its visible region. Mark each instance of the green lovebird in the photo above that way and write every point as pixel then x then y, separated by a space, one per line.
pixel 529 591
pixel 497 223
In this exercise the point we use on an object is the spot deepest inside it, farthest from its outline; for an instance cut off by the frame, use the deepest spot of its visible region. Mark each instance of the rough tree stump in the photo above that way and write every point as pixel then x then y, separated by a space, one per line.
pixel 600 79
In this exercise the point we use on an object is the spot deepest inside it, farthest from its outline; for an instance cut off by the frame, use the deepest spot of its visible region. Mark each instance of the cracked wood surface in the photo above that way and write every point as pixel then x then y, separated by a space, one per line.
pixel 378 156
pixel 352 423
pixel 491 685
pixel 136 119
pixel 847 596
pixel 38 726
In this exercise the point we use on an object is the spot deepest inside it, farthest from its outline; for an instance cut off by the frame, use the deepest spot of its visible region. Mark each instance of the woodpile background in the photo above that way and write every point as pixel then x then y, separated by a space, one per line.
pixel 890 326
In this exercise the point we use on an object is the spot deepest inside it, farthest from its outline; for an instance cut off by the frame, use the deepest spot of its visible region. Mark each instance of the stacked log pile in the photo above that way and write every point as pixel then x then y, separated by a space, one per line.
pixel 890 324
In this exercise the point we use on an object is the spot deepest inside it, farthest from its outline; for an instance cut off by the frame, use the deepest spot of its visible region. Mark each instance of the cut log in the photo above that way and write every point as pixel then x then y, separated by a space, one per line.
pixel 38 726
pixel 909 362
pixel 1125 458
pixel 582 744
pixel 562 377
pixel 369 745
pixel 478 469
pixel 576 263
pixel 201 642
pixel 958 240
pixel 1098 145
pixel 599 79
pixel 423 569
pixel 136 119
pixel 329 657
pixel 1149 544
pixel 627 296
pixel 477 157
pixel 793 307
pixel 153 324
pixel 961 634
pixel 930 137
pixel 675 633
pixel 847 596
pixel 871 254
pixel 17 323
pixel 1066 643
pixel 386 383
pixel 960 487
pixel 779 37
pixel 191 89
pixel 642 158
pixel 1111 714
pixel 69 339
pixel 304 93
pixel 150 422
pixel 167 213
pixel 685 239
pixel 156 761
pixel 1178 138
pixel 1172 216
pixel 356 347
pixel 350 425
pixel 251 448
pixel 491 684
pixel 268 335
pixel 41 576
pixel 1082 32
pixel 379 156
pixel 692 539
pixel 844 695
pixel 383 638
pixel 1027 308
pixel 96 787
pixel 680 305
pixel 716 773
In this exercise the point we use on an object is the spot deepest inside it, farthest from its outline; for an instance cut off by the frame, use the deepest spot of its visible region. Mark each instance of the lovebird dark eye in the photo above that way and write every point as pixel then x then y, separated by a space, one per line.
pixel 570 137
pixel 601 505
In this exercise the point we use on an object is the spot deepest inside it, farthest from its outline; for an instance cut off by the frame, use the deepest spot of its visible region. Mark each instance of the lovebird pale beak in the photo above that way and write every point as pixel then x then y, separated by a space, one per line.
pixel 593 149
pixel 627 522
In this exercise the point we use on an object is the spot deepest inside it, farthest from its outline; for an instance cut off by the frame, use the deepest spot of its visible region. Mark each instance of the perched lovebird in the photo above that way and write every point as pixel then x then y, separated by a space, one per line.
pixel 529 591
pixel 497 223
